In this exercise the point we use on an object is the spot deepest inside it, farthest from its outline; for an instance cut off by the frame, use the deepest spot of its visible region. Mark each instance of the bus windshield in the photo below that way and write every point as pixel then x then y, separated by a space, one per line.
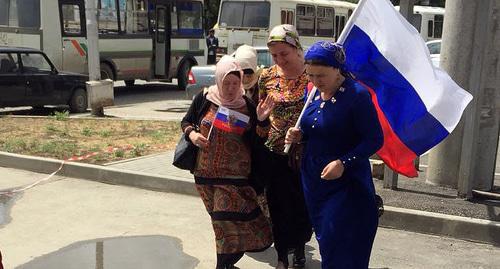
pixel 245 14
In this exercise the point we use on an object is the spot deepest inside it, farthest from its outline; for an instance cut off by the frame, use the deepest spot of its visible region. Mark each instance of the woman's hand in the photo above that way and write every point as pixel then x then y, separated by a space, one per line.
pixel 293 135
pixel 265 107
pixel 333 170
pixel 198 139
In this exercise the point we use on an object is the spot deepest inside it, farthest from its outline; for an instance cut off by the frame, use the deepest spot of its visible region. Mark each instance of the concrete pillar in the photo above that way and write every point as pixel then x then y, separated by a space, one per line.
pixel 457 51
pixel 489 105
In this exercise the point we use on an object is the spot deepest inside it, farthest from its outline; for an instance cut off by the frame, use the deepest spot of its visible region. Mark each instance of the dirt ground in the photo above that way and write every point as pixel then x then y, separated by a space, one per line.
pixel 98 140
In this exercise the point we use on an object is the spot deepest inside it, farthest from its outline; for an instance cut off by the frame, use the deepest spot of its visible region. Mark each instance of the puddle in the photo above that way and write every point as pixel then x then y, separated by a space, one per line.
pixel 6 202
pixel 145 252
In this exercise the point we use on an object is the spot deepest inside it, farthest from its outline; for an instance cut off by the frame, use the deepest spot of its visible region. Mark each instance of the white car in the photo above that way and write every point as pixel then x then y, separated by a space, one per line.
pixel 434 47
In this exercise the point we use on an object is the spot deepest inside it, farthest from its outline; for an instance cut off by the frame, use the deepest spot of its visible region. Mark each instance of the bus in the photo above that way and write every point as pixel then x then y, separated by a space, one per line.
pixel 428 21
pixel 249 22
pixel 138 39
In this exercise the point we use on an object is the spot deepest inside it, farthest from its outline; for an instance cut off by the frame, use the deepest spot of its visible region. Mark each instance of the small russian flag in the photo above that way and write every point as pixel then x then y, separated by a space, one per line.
pixel 231 121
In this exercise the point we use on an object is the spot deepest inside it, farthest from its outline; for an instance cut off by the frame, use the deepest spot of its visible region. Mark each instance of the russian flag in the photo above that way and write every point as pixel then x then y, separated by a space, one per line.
pixel 230 121
pixel 418 105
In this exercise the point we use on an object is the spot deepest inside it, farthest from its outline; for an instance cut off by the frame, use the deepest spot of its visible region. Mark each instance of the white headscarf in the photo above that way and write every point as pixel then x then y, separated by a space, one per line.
pixel 246 56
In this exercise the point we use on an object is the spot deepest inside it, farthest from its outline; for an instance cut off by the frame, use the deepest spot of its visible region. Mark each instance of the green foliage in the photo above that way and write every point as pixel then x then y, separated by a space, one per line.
pixel 105 133
pixel 61 116
pixel 87 131
pixel 51 128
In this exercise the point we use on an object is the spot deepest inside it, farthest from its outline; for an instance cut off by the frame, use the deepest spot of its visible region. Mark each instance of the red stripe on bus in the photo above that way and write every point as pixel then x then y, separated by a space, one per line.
pixel 77 47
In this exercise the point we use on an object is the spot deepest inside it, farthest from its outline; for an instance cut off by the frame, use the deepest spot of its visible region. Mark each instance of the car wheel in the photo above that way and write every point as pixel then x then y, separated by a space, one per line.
pixel 107 72
pixel 129 83
pixel 78 102
pixel 182 76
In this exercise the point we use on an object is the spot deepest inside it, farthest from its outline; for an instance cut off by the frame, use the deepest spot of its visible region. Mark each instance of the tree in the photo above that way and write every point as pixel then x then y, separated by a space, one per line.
pixel 211 12
pixel 433 3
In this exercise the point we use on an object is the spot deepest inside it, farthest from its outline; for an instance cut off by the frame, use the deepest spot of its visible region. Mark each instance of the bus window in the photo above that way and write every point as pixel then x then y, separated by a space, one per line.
pixel 189 19
pixel 430 28
pixel 438 26
pixel 287 17
pixel 325 21
pixel 107 16
pixel 4 12
pixel 133 16
pixel 160 20
pixel 339 25
pixel 342 24
pixel 245 14
pixel 290 18
pixel 71 20
pixel 349 13
pixel 305 20
pixel 23 14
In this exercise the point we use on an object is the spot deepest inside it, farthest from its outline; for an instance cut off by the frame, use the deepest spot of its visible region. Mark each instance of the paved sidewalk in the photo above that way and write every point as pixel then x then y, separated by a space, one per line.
pixel 412 193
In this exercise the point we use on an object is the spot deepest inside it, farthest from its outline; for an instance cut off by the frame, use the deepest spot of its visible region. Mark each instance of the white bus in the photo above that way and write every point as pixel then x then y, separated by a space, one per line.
pixel 138 39
pixel 428 21
pixel 248 22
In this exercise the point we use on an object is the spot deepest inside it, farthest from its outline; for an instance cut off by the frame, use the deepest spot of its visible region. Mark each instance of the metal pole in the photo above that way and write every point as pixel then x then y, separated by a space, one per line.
pixel 391 177
pixel 93 47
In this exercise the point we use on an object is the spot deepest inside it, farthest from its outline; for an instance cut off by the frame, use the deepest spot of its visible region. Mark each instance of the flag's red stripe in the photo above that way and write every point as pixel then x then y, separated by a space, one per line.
pixel 394 152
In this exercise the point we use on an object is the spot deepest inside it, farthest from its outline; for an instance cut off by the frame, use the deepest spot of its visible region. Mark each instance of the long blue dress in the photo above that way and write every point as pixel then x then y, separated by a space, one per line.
pixel 343 211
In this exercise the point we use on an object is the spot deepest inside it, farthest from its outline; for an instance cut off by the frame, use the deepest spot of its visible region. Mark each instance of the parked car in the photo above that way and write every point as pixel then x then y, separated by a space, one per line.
pixel 434 47
pixel 203 76
pixel 28 78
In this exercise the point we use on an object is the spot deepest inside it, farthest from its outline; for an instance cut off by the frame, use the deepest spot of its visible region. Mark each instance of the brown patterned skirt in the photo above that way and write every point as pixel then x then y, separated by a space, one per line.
pixel 237 220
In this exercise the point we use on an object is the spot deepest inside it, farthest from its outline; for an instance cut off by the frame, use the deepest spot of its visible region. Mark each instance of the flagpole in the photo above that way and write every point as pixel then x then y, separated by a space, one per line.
pixel 297 124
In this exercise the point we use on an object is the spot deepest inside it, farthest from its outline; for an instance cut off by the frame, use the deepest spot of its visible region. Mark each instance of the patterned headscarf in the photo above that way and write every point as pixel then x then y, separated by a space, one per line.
pixel 327 52
pixel 226 65
pixel 285 33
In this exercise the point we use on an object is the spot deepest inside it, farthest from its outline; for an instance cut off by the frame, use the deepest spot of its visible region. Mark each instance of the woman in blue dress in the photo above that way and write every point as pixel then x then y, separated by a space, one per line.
pixel 340 131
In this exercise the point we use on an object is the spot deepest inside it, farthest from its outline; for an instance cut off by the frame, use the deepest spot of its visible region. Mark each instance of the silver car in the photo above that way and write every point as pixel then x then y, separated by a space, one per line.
pixel 203 76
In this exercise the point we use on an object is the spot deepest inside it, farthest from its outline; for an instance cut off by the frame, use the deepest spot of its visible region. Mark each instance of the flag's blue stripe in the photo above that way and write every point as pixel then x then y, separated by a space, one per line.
pixel 238 122
pixel 398 100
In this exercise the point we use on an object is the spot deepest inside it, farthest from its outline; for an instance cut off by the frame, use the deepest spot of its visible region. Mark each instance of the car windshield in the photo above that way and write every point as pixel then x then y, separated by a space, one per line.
pixel 264 58
pixel 35 62
pixel 434 47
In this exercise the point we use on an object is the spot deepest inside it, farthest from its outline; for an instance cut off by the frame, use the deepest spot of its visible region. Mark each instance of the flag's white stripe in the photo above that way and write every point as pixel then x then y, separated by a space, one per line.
pixel 403 47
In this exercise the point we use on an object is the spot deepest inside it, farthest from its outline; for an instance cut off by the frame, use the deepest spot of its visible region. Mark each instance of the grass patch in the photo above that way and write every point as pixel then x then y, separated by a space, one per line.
pixel 61 137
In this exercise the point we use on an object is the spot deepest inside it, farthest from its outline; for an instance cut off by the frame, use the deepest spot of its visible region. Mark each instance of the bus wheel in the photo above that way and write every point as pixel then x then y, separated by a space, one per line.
pixel 78 102
pixel 182 75
pixel 107 72
pixel 129 83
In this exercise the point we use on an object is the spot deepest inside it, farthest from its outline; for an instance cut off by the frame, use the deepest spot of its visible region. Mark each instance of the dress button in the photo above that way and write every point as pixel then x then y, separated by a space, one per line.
pixel 319 111
pixel 315 119
pixel 312 126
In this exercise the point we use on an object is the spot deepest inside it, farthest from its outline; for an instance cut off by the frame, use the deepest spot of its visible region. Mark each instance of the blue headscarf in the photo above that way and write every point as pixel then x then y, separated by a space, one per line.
pixel 327 52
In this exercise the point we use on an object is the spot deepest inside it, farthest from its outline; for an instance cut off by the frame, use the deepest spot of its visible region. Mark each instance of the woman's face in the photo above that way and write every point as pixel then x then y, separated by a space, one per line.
pixel 247 78
pixel 325 78
pixel 284 55
pixel 230 87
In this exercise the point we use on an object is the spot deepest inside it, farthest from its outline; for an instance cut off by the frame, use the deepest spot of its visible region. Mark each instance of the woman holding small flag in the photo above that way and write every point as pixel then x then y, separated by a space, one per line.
pixel 226 126
pixel 285 82
pixel 340 131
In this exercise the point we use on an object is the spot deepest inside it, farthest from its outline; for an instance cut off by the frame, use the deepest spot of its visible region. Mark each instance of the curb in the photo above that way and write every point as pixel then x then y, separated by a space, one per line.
pixel 99 173
pixel 472 229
